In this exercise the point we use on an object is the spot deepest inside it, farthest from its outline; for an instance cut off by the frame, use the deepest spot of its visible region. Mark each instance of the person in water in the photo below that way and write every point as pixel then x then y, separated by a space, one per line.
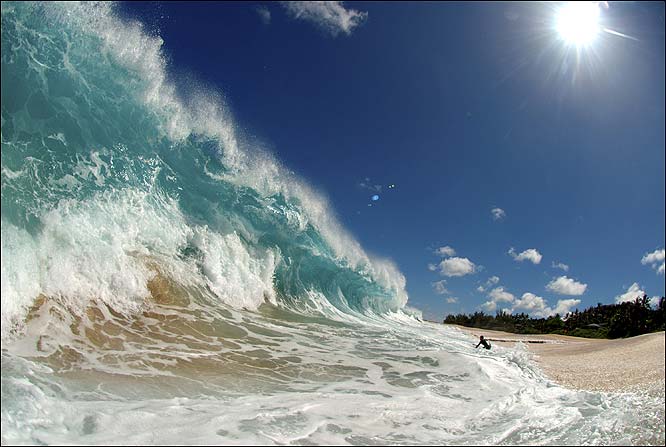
pixel 482 341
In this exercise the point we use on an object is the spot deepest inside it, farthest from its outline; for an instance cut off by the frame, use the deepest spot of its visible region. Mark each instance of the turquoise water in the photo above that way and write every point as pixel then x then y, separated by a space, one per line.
pixel 166 281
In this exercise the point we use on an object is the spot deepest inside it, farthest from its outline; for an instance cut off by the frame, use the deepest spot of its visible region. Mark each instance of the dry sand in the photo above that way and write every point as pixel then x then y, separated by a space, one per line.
pixel 621 365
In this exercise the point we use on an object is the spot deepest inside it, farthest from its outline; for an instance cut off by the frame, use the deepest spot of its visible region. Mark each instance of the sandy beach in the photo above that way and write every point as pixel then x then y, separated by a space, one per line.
pixel 633 364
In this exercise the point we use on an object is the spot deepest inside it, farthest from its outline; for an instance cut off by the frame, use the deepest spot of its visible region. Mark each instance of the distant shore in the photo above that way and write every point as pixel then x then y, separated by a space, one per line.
pixel 633 364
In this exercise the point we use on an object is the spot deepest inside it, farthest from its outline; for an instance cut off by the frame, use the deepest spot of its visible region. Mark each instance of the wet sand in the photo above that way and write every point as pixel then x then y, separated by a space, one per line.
pixel 633 364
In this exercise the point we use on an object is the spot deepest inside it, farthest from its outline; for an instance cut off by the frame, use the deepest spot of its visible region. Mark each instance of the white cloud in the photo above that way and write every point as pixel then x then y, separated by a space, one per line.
pixel 564 306
pixel 456 267
pixel 655 258
pixel 330 16
pixel 498 294
pixel 445 251
pixel 489 283
pixel 538 307
pixel 560 265
pixel 566 286
pixel 264 15
pixel 498 213
pixel 529 303
pixel 531 254
pixel 631 294
pixel 533 305
pixel 440 287
pixel 432 267
pixel 489 306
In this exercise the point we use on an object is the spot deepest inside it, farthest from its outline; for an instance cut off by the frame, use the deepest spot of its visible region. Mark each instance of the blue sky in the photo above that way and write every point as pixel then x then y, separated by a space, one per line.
pixel 465 108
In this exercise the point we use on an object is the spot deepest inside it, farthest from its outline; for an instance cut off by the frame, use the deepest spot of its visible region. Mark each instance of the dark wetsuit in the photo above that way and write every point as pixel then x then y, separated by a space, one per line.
pixel 484 343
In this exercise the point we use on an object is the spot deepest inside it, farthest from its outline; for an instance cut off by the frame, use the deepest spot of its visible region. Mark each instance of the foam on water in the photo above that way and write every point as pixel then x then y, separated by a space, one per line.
pixel 288 381
pixel 164 281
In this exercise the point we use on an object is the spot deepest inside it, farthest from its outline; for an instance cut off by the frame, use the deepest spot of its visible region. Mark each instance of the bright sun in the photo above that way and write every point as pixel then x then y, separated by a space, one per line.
pixel 578 23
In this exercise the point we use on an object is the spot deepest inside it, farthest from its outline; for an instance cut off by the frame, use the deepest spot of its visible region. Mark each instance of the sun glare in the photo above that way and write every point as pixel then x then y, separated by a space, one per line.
pixel 578 23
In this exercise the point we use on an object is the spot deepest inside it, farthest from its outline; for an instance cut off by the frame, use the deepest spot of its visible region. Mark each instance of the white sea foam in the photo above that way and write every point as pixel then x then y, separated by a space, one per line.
pixel 109 247
pixel 394 383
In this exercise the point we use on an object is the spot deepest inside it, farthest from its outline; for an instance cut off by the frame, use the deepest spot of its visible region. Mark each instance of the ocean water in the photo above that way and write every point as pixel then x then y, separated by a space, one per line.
pixel 165 281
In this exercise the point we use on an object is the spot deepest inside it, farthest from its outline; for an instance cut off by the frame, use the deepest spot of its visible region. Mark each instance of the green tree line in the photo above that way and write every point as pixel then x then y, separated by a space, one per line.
pixel 620 320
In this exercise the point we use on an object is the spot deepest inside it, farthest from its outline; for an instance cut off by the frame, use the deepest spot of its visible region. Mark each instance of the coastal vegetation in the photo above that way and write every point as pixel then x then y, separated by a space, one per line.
pixel 620 320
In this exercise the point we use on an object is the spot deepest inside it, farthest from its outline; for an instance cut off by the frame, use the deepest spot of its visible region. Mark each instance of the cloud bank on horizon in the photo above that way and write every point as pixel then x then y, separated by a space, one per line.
pixel 529 303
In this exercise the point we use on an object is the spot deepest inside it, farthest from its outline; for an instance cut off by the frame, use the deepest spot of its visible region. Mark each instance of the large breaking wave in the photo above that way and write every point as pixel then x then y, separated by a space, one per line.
pixel 108 177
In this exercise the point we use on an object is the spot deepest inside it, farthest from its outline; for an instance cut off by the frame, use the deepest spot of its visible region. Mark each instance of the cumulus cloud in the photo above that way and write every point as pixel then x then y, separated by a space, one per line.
pixel 498 213
pixel 498 294
pixel 332 17
pixel 489 283
pixel 264 15
pixel 538 307
pixel 489 306
pixel 531 254
pixel 564 306
pixel 566 286
pixel 440 287
pixel 529 303
pixel 656 259
pixel 456 267
pixel 560 265
pixel 533 305
pixel 445 251
pixel 634 291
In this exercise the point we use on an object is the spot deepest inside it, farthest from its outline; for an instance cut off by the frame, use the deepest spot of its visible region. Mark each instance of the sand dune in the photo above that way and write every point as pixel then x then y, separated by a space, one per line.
pixel 629 364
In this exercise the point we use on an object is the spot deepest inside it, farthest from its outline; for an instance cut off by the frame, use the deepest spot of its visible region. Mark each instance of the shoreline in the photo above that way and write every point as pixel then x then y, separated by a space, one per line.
pixel 634 364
